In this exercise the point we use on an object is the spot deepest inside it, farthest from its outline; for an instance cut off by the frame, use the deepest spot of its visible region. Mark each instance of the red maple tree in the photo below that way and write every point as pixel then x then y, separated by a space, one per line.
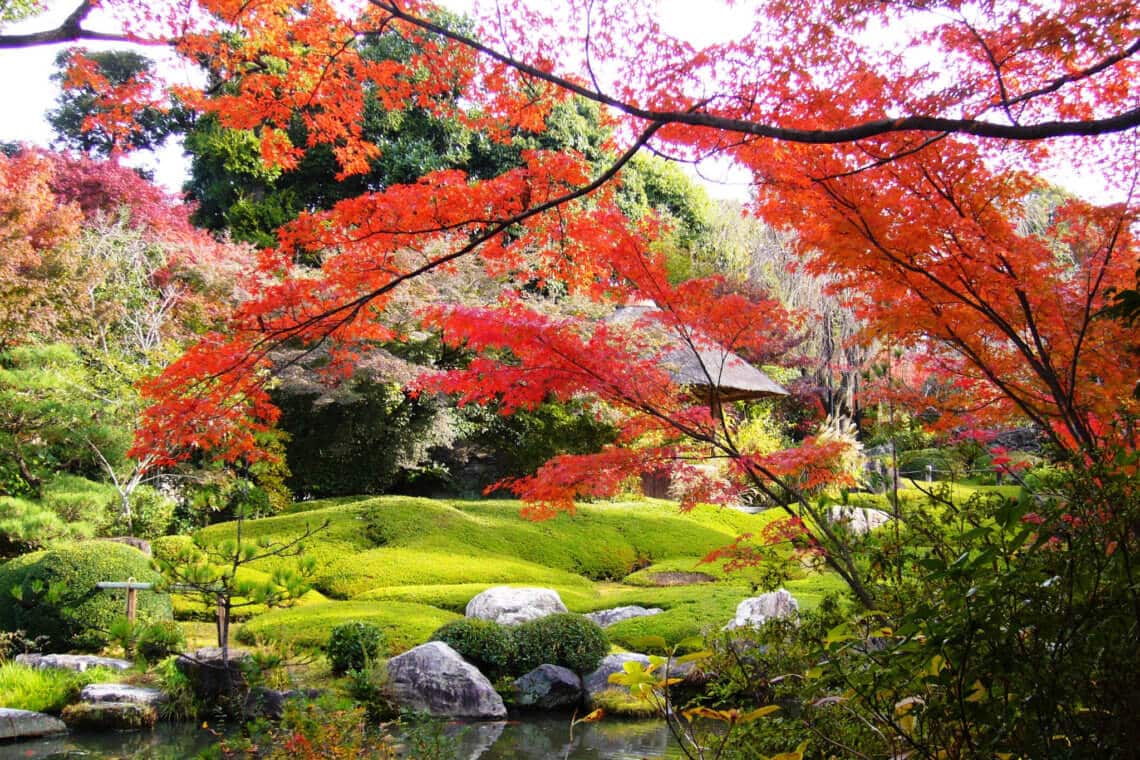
pixel 897 139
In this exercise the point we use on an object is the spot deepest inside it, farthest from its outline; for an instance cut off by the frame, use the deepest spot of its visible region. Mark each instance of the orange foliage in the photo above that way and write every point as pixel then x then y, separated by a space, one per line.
pixel 896 139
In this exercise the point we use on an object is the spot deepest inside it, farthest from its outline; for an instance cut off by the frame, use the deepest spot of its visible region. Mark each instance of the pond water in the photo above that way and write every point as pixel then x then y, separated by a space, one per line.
pixel 539 738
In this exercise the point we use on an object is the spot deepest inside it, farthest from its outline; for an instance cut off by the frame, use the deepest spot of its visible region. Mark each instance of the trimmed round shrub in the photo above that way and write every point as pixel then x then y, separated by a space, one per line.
pixel 53 594
pixel 170 548
pixel 486 644
pixel 353 646
pixel 565 639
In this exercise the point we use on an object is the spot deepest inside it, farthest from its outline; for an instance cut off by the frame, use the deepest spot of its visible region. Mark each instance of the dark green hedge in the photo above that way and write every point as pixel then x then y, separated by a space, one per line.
pixel 565 639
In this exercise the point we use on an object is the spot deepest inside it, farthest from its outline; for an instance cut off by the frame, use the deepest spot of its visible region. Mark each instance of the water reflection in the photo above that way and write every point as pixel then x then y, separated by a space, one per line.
pixel 549 739
pixel 166 742
pixel 537 738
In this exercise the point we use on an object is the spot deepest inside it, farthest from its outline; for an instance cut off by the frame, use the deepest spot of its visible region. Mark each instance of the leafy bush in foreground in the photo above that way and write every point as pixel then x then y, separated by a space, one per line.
pixel 354 646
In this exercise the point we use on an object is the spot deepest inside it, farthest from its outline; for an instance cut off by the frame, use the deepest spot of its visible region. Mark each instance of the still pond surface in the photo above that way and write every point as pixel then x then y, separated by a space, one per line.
pixel 530 739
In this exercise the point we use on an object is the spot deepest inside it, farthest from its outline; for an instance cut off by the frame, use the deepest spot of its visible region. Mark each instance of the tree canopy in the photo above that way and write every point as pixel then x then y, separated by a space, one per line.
pixel 900 142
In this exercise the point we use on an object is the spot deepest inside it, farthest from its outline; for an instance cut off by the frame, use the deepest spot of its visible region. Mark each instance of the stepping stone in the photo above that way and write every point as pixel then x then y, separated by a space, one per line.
pixel 77 662
pixel 110 716
pixel 120 692
pixel 25 724
pixel 606 618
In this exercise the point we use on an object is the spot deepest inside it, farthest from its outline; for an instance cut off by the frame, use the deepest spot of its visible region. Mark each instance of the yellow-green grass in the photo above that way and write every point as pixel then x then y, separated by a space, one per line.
pixel 353 575
pixel 360 548
pixel 428 558
pixel 404 624
pixel 913 493
pixel 48 689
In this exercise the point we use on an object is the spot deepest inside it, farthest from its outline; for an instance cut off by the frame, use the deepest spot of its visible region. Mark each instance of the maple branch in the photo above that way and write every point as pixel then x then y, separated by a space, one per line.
pixel 347 312
pixel 72 30
pixel 1120 122
pixel 1077 76
pixel 972 299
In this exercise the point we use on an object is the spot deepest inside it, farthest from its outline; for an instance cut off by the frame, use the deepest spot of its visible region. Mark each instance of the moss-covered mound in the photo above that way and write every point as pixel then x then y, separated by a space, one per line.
pixel 410 565
pixel 53 593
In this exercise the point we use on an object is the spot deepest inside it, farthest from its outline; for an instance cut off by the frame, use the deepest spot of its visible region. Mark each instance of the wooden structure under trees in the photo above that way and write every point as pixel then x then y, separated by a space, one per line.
pixel 711 372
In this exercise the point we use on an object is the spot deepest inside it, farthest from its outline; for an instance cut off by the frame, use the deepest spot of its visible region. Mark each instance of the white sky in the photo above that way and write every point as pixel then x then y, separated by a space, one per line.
pixel 28 92
pixel 27 89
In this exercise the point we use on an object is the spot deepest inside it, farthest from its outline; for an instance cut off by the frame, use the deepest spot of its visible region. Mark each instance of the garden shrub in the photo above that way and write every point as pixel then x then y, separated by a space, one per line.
pixel 77 499
pixel 160 639
pixel 354 646
pixel 486 644
pixel 565 639
pixel 151 514
pixel 912 464
pixel 169 548
pixel 53 594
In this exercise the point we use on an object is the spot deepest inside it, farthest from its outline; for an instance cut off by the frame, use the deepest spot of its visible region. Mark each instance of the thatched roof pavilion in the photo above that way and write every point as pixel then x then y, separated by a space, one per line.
pixel 712 372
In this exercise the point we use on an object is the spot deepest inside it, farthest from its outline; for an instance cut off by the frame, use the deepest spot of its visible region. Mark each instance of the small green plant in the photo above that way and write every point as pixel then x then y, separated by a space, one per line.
pixel 159 640
pixel 124 634
pixel 354 646
pixel 368 687
pixel 426 737
pixel 488 645
pixel 565 639
pixel 180 703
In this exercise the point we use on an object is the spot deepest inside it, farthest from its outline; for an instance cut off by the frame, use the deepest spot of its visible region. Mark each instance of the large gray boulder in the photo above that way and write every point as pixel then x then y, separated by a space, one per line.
pixel 510 606
pixel 216 681
pixel 757 610
pixel 433 678
pixel 77 662
pixel 25 724
pixel 121 692
pixel 606 618
pixel 858 520
pixel 549 687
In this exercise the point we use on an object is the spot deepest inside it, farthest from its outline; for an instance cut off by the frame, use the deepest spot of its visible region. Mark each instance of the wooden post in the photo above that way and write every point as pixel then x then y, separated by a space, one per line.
pixel 132 586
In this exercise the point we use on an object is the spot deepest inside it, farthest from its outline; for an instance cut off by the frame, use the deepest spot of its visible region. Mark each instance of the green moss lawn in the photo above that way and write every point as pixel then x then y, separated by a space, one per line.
pixel 410 565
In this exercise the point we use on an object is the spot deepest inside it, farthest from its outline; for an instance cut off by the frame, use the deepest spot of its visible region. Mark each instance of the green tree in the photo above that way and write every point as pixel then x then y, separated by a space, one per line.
pixel 49 419
pixel 72 119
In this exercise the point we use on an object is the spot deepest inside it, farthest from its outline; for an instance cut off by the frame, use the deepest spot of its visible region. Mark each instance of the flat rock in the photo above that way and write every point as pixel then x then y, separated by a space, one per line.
pixel 858 520
pixel 110 716
pixel 25 724
pixel 757 610
pixel 121 692
pixel 78 662
pixel 433 678
pixel 606 618
pixel 510 606
pixel 549 687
